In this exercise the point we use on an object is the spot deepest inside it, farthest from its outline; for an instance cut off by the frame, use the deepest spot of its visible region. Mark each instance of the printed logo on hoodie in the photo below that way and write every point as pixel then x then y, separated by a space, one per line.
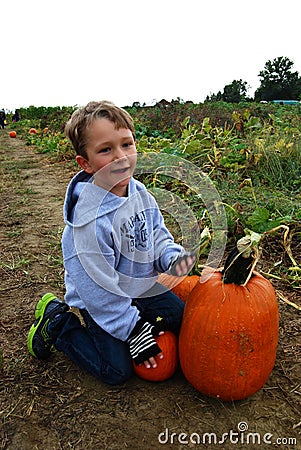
pixel 134 232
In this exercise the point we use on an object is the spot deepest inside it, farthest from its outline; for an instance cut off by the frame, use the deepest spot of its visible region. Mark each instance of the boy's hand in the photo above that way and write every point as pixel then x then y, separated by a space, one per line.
pixel 151 362
pixel 143 346
pixel 182 264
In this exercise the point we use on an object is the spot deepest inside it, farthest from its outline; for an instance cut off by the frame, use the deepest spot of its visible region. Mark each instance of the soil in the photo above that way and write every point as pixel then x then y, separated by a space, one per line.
pixel 53 405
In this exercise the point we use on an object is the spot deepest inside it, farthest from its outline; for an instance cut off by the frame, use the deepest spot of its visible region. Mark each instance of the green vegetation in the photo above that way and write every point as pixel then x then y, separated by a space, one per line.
pixel 252 152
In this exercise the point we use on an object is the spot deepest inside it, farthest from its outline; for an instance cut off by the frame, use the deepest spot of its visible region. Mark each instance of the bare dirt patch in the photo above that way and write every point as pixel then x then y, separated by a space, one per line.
pixel 53 405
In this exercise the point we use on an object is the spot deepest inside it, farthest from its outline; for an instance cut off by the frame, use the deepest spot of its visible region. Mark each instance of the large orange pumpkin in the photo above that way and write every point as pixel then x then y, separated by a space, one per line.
pixel 167 366
pixel 12 134
pixel 181 288
pixel 229 336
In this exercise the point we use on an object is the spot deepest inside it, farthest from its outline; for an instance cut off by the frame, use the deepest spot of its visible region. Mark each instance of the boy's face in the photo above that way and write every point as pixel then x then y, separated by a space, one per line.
pixel 111 156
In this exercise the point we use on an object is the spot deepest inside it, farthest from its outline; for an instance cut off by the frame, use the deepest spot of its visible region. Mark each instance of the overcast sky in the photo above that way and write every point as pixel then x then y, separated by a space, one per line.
pixel 68 52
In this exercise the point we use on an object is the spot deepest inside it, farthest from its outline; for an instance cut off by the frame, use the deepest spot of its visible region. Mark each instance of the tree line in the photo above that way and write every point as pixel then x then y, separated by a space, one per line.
pixel 278 81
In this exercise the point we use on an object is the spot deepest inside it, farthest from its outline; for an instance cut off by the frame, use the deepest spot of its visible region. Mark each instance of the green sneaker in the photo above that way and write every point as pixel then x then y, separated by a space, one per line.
pixel 39 342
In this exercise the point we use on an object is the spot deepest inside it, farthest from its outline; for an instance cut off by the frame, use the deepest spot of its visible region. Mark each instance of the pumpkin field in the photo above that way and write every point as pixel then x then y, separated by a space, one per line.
pixel 250 157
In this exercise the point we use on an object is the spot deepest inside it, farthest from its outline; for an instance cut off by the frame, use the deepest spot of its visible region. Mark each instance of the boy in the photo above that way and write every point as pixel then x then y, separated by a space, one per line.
pixel 114 245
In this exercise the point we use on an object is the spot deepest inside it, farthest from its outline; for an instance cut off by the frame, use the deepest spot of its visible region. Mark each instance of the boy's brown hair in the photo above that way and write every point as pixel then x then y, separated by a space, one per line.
pixel 78 124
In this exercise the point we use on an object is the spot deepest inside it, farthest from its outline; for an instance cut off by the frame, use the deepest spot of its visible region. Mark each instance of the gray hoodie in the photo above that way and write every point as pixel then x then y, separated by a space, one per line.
pixel 113 249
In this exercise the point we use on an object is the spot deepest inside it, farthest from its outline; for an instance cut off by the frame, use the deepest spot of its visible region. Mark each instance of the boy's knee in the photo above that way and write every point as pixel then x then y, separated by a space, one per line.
pixel 118 377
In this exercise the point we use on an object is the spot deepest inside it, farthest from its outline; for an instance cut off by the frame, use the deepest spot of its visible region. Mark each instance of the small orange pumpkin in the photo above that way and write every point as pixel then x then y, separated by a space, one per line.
pixel 180 287
pixel 33 131
pixel 12 134
pixel 229 335
pixel 167 366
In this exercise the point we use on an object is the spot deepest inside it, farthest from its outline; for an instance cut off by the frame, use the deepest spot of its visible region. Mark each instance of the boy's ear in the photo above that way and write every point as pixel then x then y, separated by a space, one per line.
pixel 83 163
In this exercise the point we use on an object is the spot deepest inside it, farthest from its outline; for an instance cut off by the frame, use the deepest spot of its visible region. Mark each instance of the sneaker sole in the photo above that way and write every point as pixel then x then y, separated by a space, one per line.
pixel 39 312
pixel 42 304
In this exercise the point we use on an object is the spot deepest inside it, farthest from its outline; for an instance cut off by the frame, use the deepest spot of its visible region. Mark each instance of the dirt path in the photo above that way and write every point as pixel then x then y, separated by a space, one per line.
pixel 53 405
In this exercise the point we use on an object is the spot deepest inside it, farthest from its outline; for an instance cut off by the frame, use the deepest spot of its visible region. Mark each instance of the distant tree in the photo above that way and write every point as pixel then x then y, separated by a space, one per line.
pixel 235 92
pixel 278 82
pixel 214 97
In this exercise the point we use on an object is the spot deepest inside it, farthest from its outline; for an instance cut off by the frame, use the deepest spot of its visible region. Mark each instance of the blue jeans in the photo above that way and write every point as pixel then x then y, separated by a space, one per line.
pixel 102 355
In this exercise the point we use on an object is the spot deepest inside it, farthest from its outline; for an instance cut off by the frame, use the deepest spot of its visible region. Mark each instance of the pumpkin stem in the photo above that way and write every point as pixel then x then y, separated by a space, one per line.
pixel 242 260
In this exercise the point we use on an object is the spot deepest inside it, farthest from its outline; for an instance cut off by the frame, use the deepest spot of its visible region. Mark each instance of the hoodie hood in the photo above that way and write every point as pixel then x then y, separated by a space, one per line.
pixel 85 201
